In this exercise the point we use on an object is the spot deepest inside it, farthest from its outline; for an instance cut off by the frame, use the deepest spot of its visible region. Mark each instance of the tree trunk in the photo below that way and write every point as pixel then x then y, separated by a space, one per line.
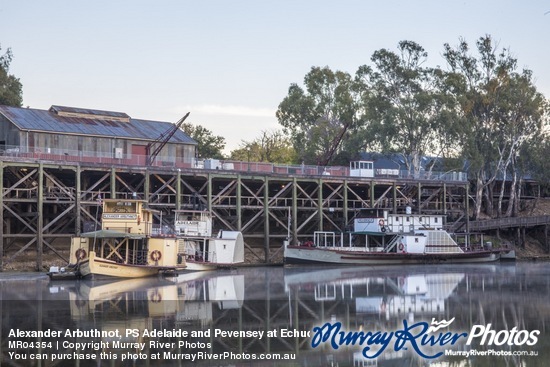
pixel 501 194
pixel 479 196
pixel 512 200
pixel 489 206
pixel 517 200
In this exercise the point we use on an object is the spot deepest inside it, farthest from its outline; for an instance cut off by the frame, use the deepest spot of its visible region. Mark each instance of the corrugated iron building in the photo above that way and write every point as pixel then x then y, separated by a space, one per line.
pixel 90 135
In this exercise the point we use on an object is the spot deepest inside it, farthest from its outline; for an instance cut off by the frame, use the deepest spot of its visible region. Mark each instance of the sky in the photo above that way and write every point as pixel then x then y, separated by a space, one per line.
pixel 230 63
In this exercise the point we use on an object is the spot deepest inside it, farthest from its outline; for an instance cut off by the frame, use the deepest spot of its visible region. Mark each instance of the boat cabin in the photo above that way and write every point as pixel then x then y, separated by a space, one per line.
pixel 193 223
pixel 130 216
pixel 198 245
pixel 381 221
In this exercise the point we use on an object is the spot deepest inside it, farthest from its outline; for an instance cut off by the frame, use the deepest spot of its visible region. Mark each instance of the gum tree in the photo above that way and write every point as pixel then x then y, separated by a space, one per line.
pixel 501 111
pixel 323 119
pixel 406 110
pixel 11 89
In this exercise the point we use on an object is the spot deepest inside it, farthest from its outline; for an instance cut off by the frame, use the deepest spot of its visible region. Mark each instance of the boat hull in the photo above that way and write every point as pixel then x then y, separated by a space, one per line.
pixel 192 265
pixel 302 255
pixel 98 267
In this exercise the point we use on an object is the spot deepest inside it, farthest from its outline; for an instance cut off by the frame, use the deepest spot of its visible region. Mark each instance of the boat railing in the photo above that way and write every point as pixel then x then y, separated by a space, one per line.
pixel 122 256
pixel 325 239
pixel 198 255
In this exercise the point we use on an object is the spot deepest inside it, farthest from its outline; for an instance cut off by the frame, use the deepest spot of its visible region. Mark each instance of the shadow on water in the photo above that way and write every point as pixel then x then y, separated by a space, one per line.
pixel 232 311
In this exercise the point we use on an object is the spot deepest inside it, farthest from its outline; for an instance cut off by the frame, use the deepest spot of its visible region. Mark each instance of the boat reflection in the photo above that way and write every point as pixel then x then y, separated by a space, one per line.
pixel 160 297
pixel 389 296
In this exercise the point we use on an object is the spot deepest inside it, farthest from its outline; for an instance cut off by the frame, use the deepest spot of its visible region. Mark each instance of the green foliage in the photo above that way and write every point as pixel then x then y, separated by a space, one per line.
pixel 480 109
pixel 408 112
pixel 500 109
pixel 209 145
pixel 11 89
pixel 271 147
pixel 324 119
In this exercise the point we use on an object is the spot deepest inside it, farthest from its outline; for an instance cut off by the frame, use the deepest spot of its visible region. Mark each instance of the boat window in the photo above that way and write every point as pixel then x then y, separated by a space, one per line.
pixel 120 207
pixel 408 219
pixel 416 239
pixel 420 219
pixel 435 219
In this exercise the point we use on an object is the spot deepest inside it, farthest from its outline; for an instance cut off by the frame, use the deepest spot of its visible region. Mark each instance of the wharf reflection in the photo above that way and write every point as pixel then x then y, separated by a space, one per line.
pixel 293 299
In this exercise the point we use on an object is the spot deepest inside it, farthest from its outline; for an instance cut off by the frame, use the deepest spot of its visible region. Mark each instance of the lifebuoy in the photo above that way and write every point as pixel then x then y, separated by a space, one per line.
pixel 381 222
pixel 383 229
pixel 156 255
pixel 80 254
pixel 138 220
pixel 156 297
pixel 401 247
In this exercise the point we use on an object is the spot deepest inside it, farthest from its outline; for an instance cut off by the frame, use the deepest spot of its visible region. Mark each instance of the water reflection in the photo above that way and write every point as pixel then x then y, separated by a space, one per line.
pixel 290 301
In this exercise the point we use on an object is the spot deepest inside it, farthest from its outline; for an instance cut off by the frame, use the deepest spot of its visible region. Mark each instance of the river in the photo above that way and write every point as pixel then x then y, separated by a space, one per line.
pixel 437 315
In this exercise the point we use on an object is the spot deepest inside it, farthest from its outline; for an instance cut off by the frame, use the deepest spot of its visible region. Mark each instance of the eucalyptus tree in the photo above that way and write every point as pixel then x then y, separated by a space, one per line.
pixel 522 115
pixel 323 119
pixel 270 146
pixel 501 111
pixel 11 89
pixel 404 105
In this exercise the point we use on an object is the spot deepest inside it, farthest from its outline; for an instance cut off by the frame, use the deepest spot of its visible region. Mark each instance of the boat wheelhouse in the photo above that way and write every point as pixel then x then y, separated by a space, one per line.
pixel 199 248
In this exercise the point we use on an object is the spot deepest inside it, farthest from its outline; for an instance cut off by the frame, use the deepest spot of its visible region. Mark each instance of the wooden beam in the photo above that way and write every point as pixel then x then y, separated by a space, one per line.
pixel 1 216
pixel 266 220
pixel 40 224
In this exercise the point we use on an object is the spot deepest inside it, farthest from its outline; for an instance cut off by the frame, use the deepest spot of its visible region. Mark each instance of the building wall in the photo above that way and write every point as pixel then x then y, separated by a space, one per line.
pixel 9 134
pixel 102 146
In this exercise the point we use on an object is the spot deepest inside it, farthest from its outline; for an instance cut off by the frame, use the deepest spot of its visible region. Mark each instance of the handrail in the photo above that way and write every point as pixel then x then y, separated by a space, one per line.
pixel 481 225
pixel 17 153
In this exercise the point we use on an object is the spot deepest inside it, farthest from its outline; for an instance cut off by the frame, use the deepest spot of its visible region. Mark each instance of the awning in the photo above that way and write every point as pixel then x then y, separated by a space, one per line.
pixel 364 233
pixel 105 233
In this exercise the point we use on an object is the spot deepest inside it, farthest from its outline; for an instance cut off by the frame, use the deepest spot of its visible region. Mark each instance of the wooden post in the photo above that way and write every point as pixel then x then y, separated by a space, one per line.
pixel 78 194
pixel 113 183
pixel 467 207
pixel 394 197
pixel 178 190
pixel 147 186
pixel 320 203
pixel 209 193
pixel 266 220
pixel 40 212
pixel 294 211
pixel 1 216
pixel 371 193
pixel 345 205
pixel 444 198
pixel 419 198
pixel 238 203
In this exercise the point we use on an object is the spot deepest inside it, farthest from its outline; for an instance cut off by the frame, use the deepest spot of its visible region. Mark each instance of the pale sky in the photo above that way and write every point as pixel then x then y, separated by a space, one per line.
pixel 230 63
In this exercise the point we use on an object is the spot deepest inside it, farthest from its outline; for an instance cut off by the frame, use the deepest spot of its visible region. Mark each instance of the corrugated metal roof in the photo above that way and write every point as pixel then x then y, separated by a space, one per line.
pixel 50 121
